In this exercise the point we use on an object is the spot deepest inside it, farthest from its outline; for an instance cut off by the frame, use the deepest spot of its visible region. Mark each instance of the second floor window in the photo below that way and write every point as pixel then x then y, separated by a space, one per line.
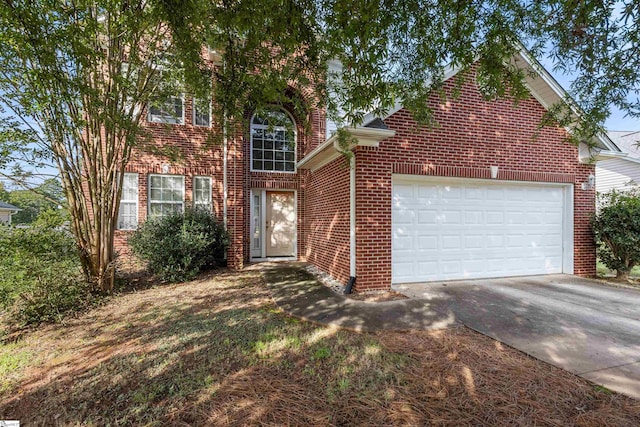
pixel 169 111
pixel 201 113
pixel 273 142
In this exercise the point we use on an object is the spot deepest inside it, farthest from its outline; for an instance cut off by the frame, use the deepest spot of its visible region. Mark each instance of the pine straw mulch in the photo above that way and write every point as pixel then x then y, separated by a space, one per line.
pixel 217 351
pixel 450 378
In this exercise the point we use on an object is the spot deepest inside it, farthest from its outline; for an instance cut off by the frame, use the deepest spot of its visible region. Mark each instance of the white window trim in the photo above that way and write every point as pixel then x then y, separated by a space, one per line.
pixel 149 201
pixel 295 143
pixel 181 122
pixel 193 191
pixel 193 114
pixel 136 201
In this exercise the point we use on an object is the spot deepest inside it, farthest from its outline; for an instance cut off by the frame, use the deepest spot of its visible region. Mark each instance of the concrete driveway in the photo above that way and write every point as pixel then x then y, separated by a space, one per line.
pixel 577 324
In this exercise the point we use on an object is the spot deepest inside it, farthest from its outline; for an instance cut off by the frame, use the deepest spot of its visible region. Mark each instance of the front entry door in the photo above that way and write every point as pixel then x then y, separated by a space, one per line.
pixel 280 224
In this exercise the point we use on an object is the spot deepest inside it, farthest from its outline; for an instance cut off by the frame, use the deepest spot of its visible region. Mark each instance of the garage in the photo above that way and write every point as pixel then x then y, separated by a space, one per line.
pixel 454 228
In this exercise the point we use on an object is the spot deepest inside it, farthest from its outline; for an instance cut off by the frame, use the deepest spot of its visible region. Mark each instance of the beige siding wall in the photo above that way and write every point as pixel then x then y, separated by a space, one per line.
pixel 616 173
pixel 5 216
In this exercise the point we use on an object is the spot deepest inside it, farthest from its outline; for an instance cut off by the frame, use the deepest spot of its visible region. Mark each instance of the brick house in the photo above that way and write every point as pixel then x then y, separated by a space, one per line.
pixel 478 196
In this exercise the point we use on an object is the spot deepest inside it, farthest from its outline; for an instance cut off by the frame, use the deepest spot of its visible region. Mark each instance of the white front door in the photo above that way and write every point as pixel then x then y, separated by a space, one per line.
pixel 448 229
pixel 273 224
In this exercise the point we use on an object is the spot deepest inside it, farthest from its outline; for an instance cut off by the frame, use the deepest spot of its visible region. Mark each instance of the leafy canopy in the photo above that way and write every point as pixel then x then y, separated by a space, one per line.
pixel 616 226
pixel 76 77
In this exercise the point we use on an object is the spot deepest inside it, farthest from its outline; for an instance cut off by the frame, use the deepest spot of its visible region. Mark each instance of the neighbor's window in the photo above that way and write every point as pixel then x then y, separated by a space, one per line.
pixel 166 194
pixel 169 111
pixel 201 112
pixel 128 213
pixel 202 192
pixel 273 142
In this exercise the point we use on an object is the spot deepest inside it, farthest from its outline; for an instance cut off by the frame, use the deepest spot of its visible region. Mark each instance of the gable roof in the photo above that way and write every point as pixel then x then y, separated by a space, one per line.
pixel 627 142
pixel 4 205
pixel 543 87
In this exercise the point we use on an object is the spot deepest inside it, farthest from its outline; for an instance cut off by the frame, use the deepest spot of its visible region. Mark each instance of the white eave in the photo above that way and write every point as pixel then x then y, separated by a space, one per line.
pixel 608 155
pixel 330 149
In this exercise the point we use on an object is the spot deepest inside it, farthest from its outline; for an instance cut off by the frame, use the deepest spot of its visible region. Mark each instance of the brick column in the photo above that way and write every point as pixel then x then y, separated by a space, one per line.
pixel 235 202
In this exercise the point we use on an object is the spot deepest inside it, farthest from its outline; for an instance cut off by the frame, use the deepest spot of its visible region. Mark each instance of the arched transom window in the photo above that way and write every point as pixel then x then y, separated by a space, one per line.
pixel 273 142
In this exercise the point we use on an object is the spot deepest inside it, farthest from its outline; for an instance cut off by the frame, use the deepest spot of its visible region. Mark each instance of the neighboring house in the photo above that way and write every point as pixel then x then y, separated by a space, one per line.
pixel 477 196
pixel 620 171
pixel 6 211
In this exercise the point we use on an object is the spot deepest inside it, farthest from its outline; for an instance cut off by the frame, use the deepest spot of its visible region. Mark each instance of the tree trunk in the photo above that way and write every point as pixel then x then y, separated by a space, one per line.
pixel 622 274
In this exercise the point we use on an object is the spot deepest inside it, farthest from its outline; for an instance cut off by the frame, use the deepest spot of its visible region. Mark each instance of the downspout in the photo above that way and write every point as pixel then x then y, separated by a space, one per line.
pixel 224 169
pixel 352 223
pixel 225 152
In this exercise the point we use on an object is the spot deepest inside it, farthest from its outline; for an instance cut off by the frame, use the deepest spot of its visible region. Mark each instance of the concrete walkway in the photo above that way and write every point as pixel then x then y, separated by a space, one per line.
pixel 584 327
pixel 297 292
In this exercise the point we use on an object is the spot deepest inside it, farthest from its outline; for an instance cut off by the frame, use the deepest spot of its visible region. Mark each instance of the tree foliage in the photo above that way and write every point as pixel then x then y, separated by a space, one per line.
pixel 76 77
pixel 47 196
pixel 616 226
pixel 40 275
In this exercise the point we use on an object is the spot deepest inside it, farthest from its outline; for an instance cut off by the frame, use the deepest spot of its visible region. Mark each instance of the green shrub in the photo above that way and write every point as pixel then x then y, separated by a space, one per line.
pixel 51 218
pixel 178 246
pixel 616 226
pixel 40 275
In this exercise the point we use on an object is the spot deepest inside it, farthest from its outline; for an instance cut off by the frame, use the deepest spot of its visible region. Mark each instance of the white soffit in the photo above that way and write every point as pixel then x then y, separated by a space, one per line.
pixel 330 149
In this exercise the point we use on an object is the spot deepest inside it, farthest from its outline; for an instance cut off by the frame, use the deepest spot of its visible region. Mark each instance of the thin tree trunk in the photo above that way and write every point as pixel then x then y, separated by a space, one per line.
pixel 622 274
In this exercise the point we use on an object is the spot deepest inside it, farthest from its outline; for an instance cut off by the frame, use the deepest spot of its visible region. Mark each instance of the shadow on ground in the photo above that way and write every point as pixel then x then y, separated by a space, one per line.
pixel 298 293
pixel 219 352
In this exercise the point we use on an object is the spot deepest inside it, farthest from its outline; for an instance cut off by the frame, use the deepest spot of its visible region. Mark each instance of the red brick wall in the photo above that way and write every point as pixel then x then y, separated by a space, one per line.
pixel 328 212
pixel 472 135
pixel 200 155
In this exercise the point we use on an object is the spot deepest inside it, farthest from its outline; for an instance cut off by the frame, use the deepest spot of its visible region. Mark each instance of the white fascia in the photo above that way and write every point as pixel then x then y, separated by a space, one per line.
pixel 331 150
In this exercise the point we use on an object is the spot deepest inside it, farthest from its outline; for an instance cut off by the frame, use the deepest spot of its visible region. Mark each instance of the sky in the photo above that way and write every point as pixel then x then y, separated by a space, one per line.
pixel 617 120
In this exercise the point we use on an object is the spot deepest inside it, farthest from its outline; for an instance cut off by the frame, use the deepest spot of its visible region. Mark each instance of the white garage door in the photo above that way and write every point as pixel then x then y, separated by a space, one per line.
pixel 448 229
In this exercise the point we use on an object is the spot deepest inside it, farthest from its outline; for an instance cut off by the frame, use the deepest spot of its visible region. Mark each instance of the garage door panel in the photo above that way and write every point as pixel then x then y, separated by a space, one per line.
pixel 475 229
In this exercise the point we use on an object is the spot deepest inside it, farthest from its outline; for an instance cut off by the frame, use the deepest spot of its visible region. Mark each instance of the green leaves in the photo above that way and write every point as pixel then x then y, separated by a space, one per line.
pixel 178 246
pixel 616 226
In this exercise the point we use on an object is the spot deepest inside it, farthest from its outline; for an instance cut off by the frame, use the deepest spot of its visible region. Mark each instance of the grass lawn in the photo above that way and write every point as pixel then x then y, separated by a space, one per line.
pixel 603 271
pixel 217 351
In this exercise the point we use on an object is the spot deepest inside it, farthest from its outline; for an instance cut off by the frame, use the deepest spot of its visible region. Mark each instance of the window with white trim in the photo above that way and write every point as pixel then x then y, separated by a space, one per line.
pixel 166 194
pixel 273 142
pixel 201 112
pixel 128 212
pixel 202 192
pixel 169 111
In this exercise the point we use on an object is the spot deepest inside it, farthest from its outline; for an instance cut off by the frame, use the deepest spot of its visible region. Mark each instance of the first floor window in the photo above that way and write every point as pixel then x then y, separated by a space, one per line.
pixel 166 194
pixel 128 213
pixel 169 111
pixel 202 192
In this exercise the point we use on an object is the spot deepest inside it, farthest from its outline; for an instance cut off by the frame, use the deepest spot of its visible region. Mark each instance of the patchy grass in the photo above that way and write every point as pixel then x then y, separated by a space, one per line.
pixel 217 351
pixel 603 271
pixel 13 360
